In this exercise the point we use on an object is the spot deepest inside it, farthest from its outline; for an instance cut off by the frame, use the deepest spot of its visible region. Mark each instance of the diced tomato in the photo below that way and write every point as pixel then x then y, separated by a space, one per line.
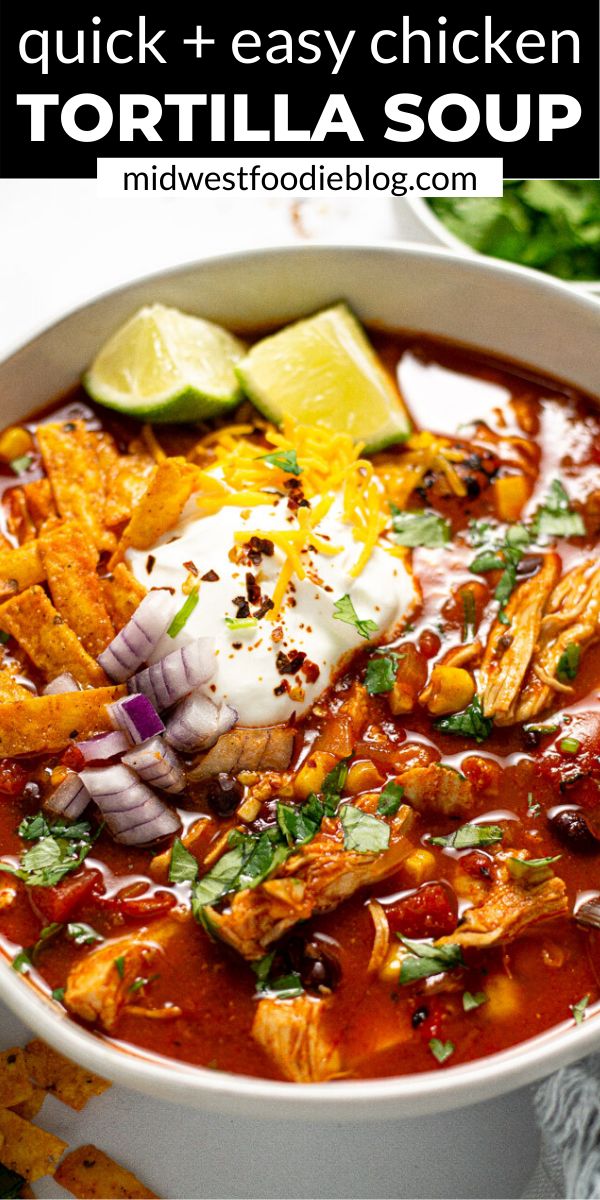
pixel 73 758
pixel 58 903
pixel 562 768
pixel 432 1025
pixel 135 907
pixel 13 777
pixel 430 911
pixel 478 865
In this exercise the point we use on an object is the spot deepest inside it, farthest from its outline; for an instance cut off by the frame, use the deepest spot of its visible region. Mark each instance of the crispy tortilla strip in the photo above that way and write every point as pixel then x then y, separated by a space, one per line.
pixel 40 502
pixel 71 1084
pixel 18 521
pixel 127 488
pixel 48 641
pixel 10 688
pixel 26 1149
pixel 28 1109
pixel 14 1080
pixel 122 594
pixel 19 569
pixel 73 468
pixel 70 563
pixel 89 1173
pixel 48 723
pixel 161 505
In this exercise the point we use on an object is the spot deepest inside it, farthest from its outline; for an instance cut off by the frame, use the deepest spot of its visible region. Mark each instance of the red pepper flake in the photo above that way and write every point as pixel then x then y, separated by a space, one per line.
pixel 150 561
pixel 73 758
pixel 311 671
pixel 265 607
pixel 277 634
pixel 209 577
pixel 257 546
pixel 281 688
pixel 289 664
pixel 253 591
pixel 242 606
pixel 191 567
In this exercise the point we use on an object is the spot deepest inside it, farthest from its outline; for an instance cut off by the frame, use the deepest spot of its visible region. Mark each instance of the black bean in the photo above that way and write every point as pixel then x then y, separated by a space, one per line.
pixel 571 828
pixel 419 1015
pixel 223 794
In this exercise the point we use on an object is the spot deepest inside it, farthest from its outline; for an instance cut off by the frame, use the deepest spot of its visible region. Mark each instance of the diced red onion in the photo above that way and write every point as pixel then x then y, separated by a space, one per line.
pixel 157 764
pixel 61 683
pixel 137 716
pixel 70 798
pixel 176 675
pixel 198 722
pixel 139 637
pixel 134 815
pixel 104 746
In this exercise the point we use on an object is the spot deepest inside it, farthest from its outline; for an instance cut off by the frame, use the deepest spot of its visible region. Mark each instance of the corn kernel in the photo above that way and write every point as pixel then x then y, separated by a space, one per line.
pixel 390 970
pixel 362 776
pixel 504 999
pixel 419 867
pixel 511 493
pixel 450 690
pixel 15 442
pixel 311 775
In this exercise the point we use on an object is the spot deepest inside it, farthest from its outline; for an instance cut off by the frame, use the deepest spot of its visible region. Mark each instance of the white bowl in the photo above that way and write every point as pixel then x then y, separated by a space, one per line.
pixel 518 314
pixel 428 220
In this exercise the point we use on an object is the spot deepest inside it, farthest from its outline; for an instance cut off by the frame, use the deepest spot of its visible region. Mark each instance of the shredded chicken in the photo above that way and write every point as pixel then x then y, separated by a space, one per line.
pixel 99 986
pixel 261 749
pixel 511 908
pixel 510 647
pixel 292 1034
pixel 314 880
pixel 572 617
pixel 437 790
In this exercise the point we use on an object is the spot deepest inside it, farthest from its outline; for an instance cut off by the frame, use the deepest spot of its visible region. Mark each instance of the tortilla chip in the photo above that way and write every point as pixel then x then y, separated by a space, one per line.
pixel 89 1173
pixel 71 1084
pixel 28 1109
pixel 40 502
pixel 44 724
pixel 27 1149
pixel 14 1080
pixel 70 563
pixel 73 468
pixel 127 487
pixel 10 688
pixel 161 505
pixel 18 520
pixel 122 595
pixel 19 569
pixel 48 641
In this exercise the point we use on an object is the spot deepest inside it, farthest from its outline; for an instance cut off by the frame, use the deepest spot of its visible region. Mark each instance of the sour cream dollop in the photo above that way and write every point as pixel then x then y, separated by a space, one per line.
pixel 249 660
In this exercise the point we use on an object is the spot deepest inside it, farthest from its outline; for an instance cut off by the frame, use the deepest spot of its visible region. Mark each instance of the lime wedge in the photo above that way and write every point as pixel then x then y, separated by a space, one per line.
pixel 323 370
pixel 164 365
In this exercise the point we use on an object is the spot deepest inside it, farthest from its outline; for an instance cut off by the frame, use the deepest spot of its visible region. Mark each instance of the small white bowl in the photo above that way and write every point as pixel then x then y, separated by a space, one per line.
pixel 497 307
pixel 436 228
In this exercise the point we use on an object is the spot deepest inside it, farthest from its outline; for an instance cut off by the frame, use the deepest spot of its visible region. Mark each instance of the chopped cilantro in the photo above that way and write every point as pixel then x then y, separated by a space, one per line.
pixel 468 723
pixel 21 464
pixel 58 994
pixel 556 518
pixel 506 558
pixel 533 808
pixel 469 836
pixel 284 987
pixel 346 612
pixel 32 828
pixel 83 935
pixel 381 673
pixel 363 833
pixel 298 824
pixel 251 859
pixel 335 780
pixel 578 1009
pixel 473 1000
pixel 532 870
pixel 120 966
pixel 21 962
pixel 390 799
pixel 142 981
pixel 469 625
pixel 286 460
pixel 441 1050
pixel 183 867
pixel 568 663
pixel 186 610
pixel 427 959
pixel 420 528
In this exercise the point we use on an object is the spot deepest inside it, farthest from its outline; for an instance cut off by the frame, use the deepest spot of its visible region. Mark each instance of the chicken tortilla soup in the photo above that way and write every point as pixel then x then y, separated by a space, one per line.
pixel 299 721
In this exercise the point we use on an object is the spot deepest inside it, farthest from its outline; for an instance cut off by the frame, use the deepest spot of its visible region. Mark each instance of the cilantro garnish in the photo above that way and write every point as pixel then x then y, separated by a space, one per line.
pixel 420 528
pixel 506 558
pixel 441 1050
pixel 556 518
pixel 427 959
pixel 381 673
pixel 183 867
pixel 469 836
pixel 473 1000
pixel 363 833
pixel 578 1009
pixel 532 870
pixel 83 935
pixel 568 663
pixel 120 966
pixel 58 994
pixel 390 799
pixel 284 987
pixel 468 723
pixel 286 460
pixel 345 611
pixel 60 848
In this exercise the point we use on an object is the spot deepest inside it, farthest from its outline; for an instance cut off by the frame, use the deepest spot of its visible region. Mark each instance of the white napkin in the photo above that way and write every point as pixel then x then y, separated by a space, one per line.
pixel 567 1108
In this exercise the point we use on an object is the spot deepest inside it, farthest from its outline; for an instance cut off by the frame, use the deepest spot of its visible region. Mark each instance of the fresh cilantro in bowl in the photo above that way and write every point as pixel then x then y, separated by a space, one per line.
pixel 550 224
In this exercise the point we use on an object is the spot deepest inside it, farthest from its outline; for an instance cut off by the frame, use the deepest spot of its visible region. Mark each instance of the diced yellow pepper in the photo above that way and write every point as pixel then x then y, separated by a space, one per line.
pixel 419 867
pixel 14 443
pixel 312 773
pixel 390 971
pixel 362 776
pixel 511 493
pixel 503 998
pixel 450 689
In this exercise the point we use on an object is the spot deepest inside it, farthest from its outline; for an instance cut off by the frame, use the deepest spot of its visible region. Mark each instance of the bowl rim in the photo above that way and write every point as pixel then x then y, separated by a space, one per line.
pixel 379 1098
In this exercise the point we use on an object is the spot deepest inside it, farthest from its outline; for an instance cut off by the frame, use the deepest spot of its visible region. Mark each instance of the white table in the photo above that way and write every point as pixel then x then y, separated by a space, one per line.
pixel 60 245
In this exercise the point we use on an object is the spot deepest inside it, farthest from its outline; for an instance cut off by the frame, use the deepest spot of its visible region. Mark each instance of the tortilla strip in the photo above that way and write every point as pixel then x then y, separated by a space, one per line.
pixel 89 1173
pixel 126 477
pixel 48 723
pixel 40 502
pixel 18 521
pixel 27 1149
pixel 70 563
pixel 70 1083
pixel 19 569
pixel 28 1109
pixel 73 468
pixel 160 506
pixel 14 1080
pixel 10 688
pixel 122 594
pixel 48 641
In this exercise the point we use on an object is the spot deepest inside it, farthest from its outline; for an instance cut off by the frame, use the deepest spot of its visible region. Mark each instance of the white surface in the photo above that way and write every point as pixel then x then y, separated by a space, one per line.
pixel 60 246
